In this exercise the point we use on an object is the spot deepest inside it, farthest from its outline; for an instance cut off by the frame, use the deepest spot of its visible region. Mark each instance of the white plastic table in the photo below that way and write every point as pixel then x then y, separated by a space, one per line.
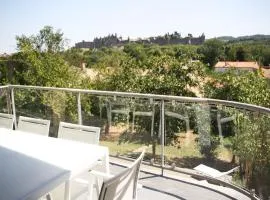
pixel 32 165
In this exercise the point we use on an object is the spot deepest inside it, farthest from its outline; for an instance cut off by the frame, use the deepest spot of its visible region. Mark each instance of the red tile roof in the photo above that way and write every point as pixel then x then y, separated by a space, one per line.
pixel 237 64
pixel 266 72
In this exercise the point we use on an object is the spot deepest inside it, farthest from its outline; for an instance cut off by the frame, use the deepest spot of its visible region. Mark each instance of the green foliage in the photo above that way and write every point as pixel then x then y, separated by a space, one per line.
pixel 159 70
pixel 40 62
pixel 212 50
pixel 48 70
pixel 105 58
pixel 251 142
pixel 169 75
pixel 136 51
pixel 251 38
pixel 207 141
pixel 182 51
pixel 159 75
pixel 74 57
pixel 170 70
pixel 46 41
pixel 44 65
pixel 246 87
pixel 241 54
pixel 265 58
pixel 247 52
pixel 252 145
pixel 3 72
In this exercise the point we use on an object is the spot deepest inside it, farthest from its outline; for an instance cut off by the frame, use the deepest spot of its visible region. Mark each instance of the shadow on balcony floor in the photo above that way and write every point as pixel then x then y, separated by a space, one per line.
pixel 172 186
pixel 175 185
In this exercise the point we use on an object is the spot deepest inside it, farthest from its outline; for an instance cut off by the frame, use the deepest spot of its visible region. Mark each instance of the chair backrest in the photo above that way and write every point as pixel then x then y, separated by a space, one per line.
pixel 33 125
pixel 6 120
pixel 124 185
pixel 80 133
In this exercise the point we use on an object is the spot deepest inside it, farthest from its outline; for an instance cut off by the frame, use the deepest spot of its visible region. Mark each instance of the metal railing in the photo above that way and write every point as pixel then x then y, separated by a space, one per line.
pixel 161 99
pixel 151 96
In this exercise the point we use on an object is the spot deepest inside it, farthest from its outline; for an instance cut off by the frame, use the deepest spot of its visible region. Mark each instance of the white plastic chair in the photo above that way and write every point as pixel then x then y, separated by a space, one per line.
pixel 80 133
pixel 6 120
pixel 34 125
pixel 122 186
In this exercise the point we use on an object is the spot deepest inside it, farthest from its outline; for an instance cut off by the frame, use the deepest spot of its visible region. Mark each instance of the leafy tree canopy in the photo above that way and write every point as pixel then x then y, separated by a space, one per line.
pixel 212 51
pixel 160 73
pixel 43 64
pixel 246 87
pixel 45 41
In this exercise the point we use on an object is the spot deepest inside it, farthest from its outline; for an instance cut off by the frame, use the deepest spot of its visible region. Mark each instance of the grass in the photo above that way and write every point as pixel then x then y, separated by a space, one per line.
pixel 184 155
pixel 184 152
pixel 123 148
pixel 170 151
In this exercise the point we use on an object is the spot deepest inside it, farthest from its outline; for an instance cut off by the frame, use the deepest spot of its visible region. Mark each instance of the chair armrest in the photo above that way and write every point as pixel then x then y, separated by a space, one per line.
pixel 107 176
pixel 101 174
pixel 81 181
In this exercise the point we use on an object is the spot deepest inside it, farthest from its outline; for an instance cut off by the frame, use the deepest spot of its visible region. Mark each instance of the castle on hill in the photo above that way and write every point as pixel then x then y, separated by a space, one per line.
pixel 168 39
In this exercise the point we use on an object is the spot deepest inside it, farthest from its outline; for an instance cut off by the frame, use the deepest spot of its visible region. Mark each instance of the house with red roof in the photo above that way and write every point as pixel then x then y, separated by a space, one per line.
pixel 266 72
pixel 222 66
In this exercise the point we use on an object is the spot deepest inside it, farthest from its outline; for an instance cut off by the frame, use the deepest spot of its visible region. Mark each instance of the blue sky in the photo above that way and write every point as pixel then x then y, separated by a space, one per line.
pixel 84 19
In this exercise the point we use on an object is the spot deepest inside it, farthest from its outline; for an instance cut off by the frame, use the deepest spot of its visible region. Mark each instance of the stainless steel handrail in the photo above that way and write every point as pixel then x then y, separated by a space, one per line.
pixel 4 86
pixel 154 96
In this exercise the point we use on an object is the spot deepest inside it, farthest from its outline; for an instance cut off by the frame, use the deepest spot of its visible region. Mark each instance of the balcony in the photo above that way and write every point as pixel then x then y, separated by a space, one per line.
pixel 178 133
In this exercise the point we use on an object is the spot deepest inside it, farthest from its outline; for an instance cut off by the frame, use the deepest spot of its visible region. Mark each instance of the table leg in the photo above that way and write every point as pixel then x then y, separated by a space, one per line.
pixel 107 164
pixel 67 190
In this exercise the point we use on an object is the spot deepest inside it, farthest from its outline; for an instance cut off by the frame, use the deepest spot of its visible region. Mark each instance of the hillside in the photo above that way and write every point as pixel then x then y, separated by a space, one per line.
pixel 257 37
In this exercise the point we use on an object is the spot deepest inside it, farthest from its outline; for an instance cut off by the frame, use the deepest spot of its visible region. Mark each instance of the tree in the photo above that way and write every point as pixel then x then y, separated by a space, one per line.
pixel 74 56
pixel 136 51
pixel 46 41
pixel 241 54
pixel 251 140
pixel 41 63
pixel 246 87
pixel 189 51
pixel 251 145
pixel 266 56
pixel 169 75
pixel 212 50
pixel 44 64
pixel 157 74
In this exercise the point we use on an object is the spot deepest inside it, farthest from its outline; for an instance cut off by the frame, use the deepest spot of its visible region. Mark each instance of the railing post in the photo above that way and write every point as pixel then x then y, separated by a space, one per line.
pixel 9 104
pixel 79 107
pixel 13 107
pixel 162 120
pixel 219 127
